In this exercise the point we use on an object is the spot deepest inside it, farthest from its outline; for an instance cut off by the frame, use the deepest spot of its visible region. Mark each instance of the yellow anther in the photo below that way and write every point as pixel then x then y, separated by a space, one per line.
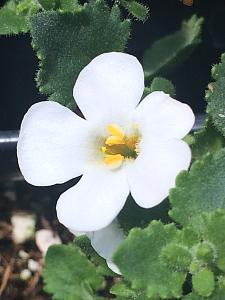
pixel 103 149
pixel 114 161
pixel 114 140
pixel 115 130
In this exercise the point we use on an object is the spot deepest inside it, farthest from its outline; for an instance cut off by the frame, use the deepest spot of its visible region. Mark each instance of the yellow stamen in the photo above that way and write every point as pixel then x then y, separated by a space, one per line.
pixel 115 130
pixel 114 140
pixel 114 161
pixel 103 149
pixel 118 147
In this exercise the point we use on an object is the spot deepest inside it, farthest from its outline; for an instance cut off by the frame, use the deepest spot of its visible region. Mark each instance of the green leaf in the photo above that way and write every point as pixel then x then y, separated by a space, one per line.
pixel 136 9
pixel 138 260
pixel 173 49
pixel 68 274
pixel 123 290
pixel 218 294
pixel 67 42
pixel 176 257
pixel 83 242
pixel 202 189
pixel 206 252
pixel 206 140
pixel 49 4
pixel 213 233
pixel 10 21
pixel 69 5
pixel 162 84
pixel 216 96
pixel 28 8
pixel 203 283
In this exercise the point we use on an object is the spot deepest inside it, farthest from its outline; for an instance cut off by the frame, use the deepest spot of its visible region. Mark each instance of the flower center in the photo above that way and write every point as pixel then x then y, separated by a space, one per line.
pixel 119 147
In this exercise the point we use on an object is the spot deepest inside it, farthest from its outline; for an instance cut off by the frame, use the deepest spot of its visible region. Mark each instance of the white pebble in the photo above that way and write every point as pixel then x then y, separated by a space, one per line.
pixel 25 274
pixel 23 227
pixel 33 265
pixel 45 238
pixel 23 254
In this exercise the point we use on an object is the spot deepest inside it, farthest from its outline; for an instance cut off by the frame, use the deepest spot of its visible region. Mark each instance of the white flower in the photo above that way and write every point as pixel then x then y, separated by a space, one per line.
pixel 105 242
pixel 120 146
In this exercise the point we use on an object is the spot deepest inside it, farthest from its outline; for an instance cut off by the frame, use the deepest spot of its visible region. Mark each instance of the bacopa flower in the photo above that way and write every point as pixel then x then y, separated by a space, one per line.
pixel 120 147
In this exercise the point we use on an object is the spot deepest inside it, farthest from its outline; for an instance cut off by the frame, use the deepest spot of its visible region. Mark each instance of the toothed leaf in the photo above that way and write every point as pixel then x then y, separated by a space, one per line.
pixel 202 189
pixel 216 96
pixel 67 42
pixel 138 258
pixel 206 140
pixel 69 275
pixel 10 21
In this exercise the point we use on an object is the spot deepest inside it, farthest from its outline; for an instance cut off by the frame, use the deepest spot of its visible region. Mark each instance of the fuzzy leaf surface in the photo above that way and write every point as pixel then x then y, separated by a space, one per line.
pixel 203 283
pixel 171 50
pixel 69 275
pixel 138 260
pixel 10 21
pixel 218 294
pixel 213 232
pixel 216 96
pixel 163 84
pixel 67 42
pixel 202 189
pixel 206 140
pixel 136 9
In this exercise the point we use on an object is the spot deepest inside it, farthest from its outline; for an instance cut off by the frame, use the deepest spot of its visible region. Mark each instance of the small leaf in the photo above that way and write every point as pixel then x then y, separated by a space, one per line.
pixel 216 96
pixel 173 49
pixel 218 294
pixel 136 9
pixel 67 42
pixel 123 290
pixel 206 252
pixel 162 84
pixel 68 274
pixel 83 242
pixel 202 189
pixel 69 5
pixel 138 260
pixel 206 140
pixel 176 257
pixel 213 233
pixel 10 21
pixel 204 283
pixel 49 4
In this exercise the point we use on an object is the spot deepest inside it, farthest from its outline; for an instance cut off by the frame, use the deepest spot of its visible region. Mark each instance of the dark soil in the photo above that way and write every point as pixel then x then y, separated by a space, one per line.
pixel 20 196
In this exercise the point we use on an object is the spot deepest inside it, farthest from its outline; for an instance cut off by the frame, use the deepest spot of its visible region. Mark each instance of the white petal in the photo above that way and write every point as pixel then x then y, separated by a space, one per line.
pixel 51 144
pixel 162 117
pixel 112 83
pixel 154 171
pixel 95 201
pixel 106 241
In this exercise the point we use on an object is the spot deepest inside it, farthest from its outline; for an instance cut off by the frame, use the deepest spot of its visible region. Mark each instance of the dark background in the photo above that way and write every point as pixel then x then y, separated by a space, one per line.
pixel 18 62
